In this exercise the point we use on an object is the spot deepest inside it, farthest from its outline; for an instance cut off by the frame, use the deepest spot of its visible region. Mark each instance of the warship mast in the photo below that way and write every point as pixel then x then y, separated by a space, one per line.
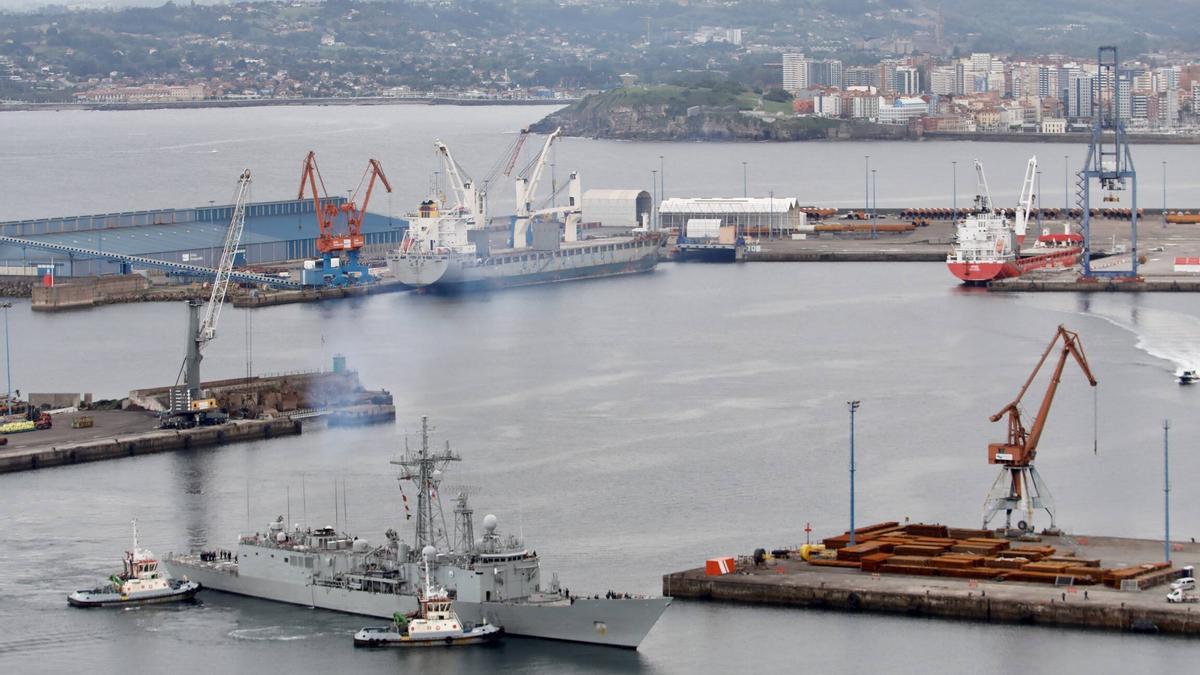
pixel 425 470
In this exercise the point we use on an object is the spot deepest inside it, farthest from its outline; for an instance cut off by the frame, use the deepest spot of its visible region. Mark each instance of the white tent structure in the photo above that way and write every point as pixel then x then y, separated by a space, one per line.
pixel 754 215
pixel 616 208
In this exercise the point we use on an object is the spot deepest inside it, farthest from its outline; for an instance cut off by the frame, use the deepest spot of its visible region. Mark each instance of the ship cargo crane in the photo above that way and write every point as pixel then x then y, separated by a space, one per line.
pixel 1025 204
pixel 330 243
pixel 1019 487
pixel 471 200
pixel 188 406
pixel 983 195
pixel 527 185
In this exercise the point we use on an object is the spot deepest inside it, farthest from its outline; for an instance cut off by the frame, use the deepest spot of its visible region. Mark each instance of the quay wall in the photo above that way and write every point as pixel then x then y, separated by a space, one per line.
pixel 1070 285
pixel 146 443
pixel 974 606
pixel 865 255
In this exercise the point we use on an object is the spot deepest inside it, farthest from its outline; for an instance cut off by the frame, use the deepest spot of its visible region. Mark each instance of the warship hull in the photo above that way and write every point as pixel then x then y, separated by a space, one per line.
pixel 612 622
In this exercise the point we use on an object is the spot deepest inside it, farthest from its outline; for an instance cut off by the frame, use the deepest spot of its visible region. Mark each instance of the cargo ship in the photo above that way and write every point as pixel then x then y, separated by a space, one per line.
pixel 448 252
pixel 987 245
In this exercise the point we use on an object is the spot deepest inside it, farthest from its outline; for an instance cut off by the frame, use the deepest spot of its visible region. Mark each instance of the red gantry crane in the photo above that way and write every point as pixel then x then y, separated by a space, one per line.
pixel 348 240
pixel 1019 487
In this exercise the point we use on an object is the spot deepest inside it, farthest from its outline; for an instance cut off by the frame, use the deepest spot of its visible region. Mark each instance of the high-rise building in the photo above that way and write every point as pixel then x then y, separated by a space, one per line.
pixel 1166 78
pixel 907 81
pixel 981 62
pixel 795 72
pixel 860 76
pixel 1139 106
pixel 825 73
pixel 1169 109
pixel 960 78
pixel 941 81
pixel 1124 98
pixel 1047 84
pixel 1080 88
pixel 887 75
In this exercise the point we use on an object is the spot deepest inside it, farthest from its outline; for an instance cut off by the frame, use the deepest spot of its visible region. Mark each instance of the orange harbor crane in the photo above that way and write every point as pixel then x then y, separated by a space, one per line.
pixel 1019 487
pixel 350 240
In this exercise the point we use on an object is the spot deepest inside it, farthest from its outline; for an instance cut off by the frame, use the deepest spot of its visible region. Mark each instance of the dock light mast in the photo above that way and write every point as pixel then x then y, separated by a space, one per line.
pixel 332 244
pixel 1019 487
pixel 187 404
pixel 1109 162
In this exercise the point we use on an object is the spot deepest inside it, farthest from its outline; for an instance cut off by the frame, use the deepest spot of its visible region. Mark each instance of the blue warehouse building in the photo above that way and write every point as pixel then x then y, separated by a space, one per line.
pixel 274 232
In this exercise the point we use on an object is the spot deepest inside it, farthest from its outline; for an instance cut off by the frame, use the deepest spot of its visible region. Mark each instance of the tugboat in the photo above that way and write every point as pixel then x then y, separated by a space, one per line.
pixel 139 583
pixel 438 624
pixel 1187 376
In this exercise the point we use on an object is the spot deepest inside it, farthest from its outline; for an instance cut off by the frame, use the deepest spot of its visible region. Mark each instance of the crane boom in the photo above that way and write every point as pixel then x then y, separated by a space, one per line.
pixel 1021 447
pixel 1025 204
pixel 233 238
pixel 469 198
pixel 354 213
pixel 527 185
pixel 983 196
pixel 516 152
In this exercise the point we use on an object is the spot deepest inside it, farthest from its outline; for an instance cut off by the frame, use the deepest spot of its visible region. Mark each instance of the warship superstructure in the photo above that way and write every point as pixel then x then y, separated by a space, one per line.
pixel 495 578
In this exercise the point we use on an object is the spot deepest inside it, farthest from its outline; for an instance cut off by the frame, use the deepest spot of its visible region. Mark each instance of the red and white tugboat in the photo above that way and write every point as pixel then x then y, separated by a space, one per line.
pixel 438 625
pixel 987 246
pixel 141 582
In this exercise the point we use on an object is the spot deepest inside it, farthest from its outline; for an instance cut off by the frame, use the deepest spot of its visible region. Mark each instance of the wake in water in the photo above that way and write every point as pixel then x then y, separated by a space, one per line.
pixel 1164 334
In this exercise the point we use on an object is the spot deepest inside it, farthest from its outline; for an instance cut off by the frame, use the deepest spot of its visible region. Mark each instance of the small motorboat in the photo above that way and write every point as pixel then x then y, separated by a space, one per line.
pixel 140 582
pixel 437 625
pixel 1188 376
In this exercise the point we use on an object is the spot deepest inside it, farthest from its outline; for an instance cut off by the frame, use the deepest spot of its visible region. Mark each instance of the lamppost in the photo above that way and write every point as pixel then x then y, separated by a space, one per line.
pixel 954 198
pixel 1066 189
pixel 1166 494
pixel 771 214
pixel 1164 193
pixel 866 185
pixel 744 181
pixel 853 406
pixel 874 203
pixel 654 198
pixel 7 361
pixel 662 178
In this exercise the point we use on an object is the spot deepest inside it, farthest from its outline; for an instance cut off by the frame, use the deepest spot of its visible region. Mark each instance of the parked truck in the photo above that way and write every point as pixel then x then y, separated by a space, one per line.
pixel 1182 595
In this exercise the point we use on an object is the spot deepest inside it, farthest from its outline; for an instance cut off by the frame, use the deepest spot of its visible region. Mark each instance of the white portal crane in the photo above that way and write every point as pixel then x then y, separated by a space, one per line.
pixel 1025 205
pixel 470 199
pixel 188 402
pixel 527 185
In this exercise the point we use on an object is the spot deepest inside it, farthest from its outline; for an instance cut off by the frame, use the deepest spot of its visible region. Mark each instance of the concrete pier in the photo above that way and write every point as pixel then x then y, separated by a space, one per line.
pixel 795 583
pixel 268 298
pixel 64 452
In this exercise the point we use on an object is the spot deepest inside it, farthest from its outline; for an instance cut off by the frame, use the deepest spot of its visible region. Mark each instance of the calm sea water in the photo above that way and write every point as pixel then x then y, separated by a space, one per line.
pixel 626 427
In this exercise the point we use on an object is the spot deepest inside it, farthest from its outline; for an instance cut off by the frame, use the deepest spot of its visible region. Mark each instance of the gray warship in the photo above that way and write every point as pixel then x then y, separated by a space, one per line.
pixel 494 579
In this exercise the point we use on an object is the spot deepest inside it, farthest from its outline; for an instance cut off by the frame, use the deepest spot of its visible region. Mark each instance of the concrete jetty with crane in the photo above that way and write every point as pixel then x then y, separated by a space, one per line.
pixel 1015 573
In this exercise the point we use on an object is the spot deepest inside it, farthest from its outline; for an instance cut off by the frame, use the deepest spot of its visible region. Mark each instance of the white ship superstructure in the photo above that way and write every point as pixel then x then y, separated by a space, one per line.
pixel 452 250
pixel 494 578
